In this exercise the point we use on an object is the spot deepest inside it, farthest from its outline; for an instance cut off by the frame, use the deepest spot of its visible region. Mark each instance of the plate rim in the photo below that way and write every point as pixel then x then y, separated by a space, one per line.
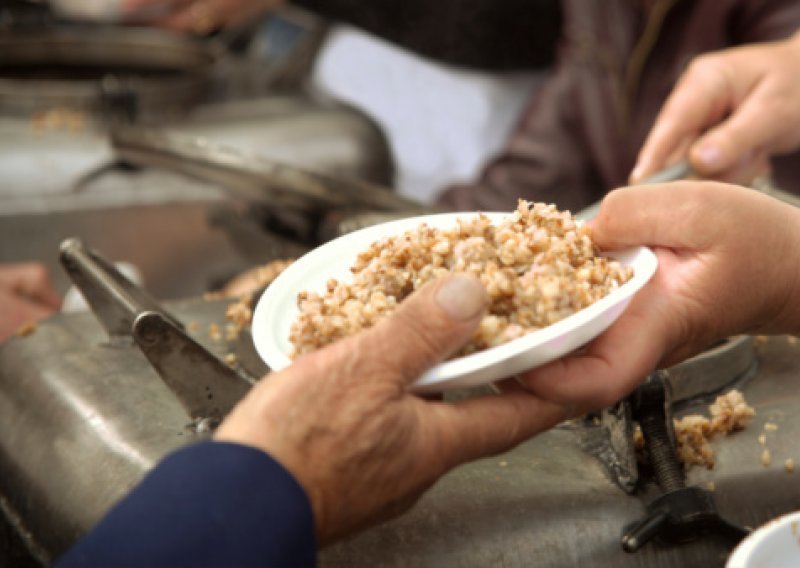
pixel 439 376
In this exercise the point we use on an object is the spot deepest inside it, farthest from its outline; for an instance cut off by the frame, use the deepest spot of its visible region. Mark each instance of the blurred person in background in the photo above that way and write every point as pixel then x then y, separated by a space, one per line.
pixel 444 80
pixel 619 60
pixel 581 128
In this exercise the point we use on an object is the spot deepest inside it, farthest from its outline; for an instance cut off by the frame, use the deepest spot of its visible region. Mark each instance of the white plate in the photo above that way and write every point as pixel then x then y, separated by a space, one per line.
pixel 775 545
pixel 277 309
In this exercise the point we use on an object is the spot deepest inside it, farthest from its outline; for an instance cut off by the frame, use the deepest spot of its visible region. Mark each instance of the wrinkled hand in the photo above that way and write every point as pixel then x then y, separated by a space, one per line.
pixel 343 422
pixel 26 295
pixel 729 263
pixel 729 112
pixel 199 17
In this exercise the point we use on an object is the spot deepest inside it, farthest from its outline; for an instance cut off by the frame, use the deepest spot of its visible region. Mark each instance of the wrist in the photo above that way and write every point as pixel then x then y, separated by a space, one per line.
pixel 787 311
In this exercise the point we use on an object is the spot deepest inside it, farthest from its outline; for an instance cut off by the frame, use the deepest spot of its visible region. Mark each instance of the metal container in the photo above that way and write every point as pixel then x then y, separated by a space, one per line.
pixel 103 70
pixel 185 234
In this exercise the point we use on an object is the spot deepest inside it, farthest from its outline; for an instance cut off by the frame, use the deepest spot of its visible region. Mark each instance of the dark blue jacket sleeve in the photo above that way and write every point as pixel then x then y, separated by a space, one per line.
pixel 211 504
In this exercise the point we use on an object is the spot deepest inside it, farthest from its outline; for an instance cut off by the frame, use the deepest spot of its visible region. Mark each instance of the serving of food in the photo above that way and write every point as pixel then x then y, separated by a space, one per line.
pixel 550 290
pixel 538 266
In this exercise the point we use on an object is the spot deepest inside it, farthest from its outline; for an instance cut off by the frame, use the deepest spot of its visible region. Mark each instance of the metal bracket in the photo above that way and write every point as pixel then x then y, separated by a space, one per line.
pixel 681 513
pixel 115 300
pixel 610 435
pixel 610 439
pixel 204 385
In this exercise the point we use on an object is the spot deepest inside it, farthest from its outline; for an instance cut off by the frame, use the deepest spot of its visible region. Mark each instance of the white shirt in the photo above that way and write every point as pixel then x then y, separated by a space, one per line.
pixel 442 122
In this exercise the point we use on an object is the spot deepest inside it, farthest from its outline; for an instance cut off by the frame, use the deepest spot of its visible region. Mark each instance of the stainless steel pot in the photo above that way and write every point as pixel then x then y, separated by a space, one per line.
pixel 100 68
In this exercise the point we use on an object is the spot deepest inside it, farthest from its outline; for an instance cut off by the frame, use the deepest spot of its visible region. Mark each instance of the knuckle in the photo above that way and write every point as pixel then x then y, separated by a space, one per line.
pixel 703 65
pixel 709 72
pixel 785 113
pixel 423 335
pixel 39 274
pixel 611 211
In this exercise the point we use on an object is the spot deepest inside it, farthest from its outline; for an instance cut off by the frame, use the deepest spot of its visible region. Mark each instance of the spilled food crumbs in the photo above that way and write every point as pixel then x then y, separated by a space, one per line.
pixel 26 329
pixel 214 331
pixel 729 413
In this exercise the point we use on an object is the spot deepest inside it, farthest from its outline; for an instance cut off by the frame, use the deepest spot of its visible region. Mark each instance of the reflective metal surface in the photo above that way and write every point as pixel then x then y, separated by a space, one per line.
pixel 252 177
pixel 61 183
pixel 83 419
pixel 95 68
pixel 114 299
pixel 205 386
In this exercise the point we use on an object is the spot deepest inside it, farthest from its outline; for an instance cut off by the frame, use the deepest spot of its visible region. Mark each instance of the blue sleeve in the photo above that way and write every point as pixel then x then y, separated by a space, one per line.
pixel 211 504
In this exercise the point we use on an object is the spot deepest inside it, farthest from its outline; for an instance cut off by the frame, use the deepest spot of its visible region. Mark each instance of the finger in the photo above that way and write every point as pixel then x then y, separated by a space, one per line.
pixel 613 364
pixel 492 424
pixel 700 98
pixel 518 384
pixel 649 215
pixel 30 280
pixel 427 327
pixel 752 166
pixel 199 18
pixel 18 312
pixel 753 126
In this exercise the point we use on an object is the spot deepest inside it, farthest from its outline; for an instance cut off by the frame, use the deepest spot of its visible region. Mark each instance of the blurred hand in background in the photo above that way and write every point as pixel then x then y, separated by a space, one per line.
pixel 199 17
pixel 26 296
pixel 730 111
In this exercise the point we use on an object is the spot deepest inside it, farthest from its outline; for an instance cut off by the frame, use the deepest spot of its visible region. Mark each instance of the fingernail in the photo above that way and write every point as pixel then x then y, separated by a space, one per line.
pixel 708 154
pixel 635 174
pixel 463 297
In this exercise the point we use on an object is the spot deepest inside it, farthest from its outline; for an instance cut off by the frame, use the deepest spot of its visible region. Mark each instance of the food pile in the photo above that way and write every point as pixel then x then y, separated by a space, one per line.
pixel 538 266
pixel 695 432
pixel 729 413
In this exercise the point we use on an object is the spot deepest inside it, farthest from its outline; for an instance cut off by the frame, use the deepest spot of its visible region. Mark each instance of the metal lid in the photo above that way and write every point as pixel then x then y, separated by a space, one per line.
pixel 255 178
pixel 86 66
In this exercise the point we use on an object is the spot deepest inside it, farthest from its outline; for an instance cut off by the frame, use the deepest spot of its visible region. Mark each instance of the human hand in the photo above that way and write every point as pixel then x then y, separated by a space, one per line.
pixel 26 295
pixel 729 112
pixel 343 422
pixel 729 263
pixel 199 17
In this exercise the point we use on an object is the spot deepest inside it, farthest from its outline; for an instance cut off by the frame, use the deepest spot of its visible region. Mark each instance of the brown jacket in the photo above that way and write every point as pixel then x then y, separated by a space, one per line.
pixel 618 61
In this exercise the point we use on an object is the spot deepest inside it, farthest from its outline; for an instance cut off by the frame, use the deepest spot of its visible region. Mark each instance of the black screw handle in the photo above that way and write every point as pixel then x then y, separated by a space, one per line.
pixel 650 405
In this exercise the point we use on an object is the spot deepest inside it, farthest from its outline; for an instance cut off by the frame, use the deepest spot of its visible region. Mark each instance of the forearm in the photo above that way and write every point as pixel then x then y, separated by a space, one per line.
pixel 210 504
pixel 785 306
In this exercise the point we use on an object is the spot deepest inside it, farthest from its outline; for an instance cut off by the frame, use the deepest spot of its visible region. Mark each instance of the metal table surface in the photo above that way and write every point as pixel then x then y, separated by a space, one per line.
pixel 547 503
pixel 81 420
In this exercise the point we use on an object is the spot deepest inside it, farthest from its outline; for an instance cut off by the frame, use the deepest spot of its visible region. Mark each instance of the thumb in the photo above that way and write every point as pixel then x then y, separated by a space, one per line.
pixel 427 327
pixel 673 215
